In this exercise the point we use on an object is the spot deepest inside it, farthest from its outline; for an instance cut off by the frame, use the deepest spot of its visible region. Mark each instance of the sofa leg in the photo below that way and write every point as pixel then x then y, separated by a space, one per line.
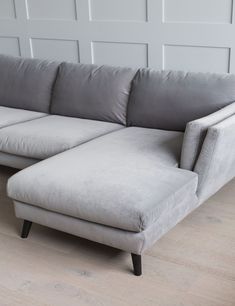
pixel 26 228
pixel 136 260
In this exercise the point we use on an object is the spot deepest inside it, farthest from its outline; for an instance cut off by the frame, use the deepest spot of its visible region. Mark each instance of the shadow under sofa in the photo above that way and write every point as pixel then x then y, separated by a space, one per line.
pixel 115 155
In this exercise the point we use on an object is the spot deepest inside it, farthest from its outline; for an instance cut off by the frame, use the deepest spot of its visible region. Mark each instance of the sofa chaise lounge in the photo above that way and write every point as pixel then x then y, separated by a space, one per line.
pixel 115 155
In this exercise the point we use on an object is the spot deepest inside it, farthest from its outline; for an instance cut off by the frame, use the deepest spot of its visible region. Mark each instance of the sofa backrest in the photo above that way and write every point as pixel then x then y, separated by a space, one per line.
pixel 168 100
pixel 92 92
pixel 146 98
pixel 26 83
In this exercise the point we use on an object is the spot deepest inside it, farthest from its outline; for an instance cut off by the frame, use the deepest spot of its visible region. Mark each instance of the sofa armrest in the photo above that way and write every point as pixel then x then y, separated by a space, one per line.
pixel 195 134
pixel 216 163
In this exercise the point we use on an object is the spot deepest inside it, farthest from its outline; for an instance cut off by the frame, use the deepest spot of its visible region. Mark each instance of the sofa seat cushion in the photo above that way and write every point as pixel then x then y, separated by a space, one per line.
pixel 116 180
pixel 45 137
pixel 10 116
pixel 16 161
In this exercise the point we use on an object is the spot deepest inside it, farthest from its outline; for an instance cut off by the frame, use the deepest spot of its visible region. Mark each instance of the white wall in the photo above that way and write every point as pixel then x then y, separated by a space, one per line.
pixel 197 35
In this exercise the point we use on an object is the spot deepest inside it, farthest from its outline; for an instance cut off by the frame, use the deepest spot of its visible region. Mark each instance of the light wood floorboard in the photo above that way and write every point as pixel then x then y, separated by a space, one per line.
pixel 193 265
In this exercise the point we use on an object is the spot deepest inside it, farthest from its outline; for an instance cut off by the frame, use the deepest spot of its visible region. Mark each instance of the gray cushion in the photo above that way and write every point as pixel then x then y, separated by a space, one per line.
pixel 44 137
pixel 92 92
pixel 10 116
pixel 26 83
pixel 15 161
pixel 121 179
pixel 168 100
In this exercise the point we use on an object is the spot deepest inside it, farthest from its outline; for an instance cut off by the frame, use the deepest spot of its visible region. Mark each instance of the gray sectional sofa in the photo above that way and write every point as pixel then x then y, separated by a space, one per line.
pixel 114 155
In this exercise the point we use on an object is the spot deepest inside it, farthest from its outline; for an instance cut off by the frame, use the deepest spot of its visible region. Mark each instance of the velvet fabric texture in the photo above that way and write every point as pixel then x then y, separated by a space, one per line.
pixel 10 116
pixel 133 242
pixel 92 92
pixel 125 179
pixel 170 99
pixel 50 135
pixel 196 132
pixel 26 83
pixel 16 161
pixel 215 165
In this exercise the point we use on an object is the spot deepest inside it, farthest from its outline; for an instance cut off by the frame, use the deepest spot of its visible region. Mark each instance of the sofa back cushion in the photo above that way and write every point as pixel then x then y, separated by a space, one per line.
pixel 168 100
pixel 26 83
pixel 92 92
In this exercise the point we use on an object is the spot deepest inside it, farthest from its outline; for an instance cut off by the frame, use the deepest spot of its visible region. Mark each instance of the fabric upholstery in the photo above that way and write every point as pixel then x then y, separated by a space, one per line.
pixel 118 180
pixel 15 161
pixel 92 92
pixel 169 100
pixel 128 241
pixel 45 137
pixel 26 83
pixel 216 163
pixel 10 116
pixel 195 134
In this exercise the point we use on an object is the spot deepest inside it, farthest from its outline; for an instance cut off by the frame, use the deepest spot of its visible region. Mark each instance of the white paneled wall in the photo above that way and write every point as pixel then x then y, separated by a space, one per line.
pixel 196 35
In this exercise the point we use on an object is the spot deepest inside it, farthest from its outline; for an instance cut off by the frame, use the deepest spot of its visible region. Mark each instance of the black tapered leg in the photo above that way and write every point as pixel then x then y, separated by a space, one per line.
pixel 26 228
pixel 137 265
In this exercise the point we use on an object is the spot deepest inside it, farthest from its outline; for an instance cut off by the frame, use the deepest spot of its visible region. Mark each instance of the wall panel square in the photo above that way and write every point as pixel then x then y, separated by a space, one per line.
pixel 196 58
pixel 55 49
pixel 52 9
pixel 198 11
pixel 118 10
pixel 7 9
pixel 120 54
pixel 10 46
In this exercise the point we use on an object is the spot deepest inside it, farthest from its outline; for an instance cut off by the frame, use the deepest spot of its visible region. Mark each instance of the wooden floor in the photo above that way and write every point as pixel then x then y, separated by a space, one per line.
pixel 193 265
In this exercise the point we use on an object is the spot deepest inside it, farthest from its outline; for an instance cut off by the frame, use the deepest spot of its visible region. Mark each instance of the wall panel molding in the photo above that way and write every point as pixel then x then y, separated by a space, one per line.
pixel 162 34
